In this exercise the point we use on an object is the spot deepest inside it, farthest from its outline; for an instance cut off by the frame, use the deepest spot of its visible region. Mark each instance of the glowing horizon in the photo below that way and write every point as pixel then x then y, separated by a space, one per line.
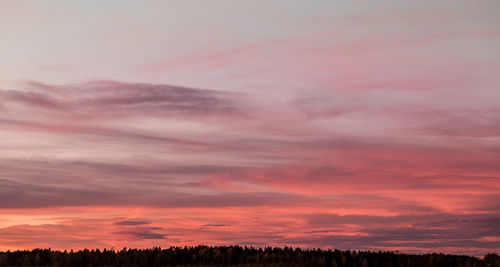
pixel 330 125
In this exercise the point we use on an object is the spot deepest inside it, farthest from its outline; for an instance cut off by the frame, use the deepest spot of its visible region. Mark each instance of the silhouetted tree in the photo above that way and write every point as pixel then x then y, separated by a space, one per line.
pixel 237 256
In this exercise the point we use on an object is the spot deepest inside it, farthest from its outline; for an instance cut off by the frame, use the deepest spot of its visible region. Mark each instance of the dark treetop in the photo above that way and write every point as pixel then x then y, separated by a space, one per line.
pixel 236 256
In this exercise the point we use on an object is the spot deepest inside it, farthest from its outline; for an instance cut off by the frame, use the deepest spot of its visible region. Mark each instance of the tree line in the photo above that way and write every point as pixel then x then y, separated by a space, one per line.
pixel 238 256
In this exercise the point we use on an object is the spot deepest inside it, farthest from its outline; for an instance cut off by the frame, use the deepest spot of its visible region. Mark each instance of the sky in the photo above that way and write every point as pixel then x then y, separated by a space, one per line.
pixel 319 124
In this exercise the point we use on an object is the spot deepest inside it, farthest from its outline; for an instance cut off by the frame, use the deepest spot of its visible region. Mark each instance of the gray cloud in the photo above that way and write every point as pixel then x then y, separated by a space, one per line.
pixel 115 99
pixel 22 195
pixel 436 230
pixel 132 222
pixel 140 233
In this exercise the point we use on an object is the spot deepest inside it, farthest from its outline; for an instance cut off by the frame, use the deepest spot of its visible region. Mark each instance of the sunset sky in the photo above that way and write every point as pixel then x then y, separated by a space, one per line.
pixel 319 124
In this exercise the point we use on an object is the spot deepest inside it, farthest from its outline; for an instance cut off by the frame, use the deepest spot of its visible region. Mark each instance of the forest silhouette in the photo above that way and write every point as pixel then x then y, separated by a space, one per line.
pixel 238 256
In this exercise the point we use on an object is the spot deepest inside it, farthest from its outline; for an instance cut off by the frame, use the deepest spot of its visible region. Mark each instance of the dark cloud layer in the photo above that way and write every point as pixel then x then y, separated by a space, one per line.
pixel 131 222
pixel 115 99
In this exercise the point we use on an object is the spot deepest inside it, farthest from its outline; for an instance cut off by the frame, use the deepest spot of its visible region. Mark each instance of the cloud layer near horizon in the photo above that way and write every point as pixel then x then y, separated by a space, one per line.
pixel 349 131
pixel 234 172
